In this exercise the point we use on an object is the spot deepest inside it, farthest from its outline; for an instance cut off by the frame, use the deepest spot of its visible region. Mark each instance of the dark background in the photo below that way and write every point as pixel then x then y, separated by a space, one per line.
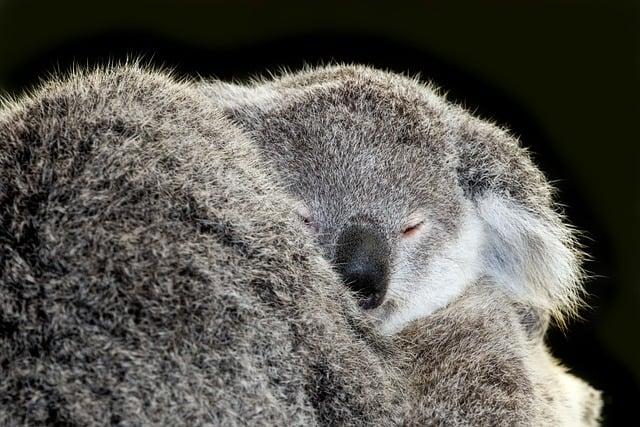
pixel 563 75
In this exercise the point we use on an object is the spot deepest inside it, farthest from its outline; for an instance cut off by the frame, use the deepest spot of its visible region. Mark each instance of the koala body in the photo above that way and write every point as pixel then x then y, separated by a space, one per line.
pixel 378 160
pixel 153 272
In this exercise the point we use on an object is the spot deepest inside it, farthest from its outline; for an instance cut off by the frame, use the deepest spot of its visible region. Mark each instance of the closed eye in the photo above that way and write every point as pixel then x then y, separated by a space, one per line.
pixel 305 216
pixel 412 229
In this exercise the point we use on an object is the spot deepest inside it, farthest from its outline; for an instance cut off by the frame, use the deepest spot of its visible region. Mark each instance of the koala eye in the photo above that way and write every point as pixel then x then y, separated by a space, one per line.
pixel 305 216
pixel 412 230
pixel 413 227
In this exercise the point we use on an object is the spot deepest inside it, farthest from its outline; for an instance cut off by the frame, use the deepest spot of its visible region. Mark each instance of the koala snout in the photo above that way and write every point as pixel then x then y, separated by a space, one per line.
pixel 362 259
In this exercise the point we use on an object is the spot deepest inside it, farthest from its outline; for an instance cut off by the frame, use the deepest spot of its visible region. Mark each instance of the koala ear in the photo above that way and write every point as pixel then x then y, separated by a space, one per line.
pixel 528 249
pixel 532 256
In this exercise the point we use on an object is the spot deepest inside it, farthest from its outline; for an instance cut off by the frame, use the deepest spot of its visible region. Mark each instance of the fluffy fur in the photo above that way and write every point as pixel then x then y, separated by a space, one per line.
pixel 474 364
pixel 358 144
pixel 153 273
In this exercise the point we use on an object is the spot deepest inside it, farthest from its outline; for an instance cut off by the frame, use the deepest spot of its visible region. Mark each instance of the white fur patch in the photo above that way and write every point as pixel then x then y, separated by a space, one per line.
pixel 449 274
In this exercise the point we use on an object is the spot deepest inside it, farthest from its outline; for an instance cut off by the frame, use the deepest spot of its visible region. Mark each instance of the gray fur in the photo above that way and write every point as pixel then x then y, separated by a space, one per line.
pixel 152 272
pixel 352 142
pixel 474 364
pixel 358 145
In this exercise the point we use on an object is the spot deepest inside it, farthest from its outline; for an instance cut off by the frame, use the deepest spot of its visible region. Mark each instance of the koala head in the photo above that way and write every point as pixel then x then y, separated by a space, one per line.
pixel 411 197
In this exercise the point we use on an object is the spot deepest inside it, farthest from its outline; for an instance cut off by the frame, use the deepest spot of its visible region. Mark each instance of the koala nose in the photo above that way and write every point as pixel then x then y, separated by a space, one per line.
pixel 362 259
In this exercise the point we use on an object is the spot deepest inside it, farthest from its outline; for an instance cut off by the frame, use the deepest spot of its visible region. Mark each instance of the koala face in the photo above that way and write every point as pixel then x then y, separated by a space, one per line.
pixel 376 179
pixel 411 197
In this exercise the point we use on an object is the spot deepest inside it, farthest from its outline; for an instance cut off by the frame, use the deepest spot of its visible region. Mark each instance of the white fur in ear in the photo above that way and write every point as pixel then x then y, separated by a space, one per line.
pixel 532 255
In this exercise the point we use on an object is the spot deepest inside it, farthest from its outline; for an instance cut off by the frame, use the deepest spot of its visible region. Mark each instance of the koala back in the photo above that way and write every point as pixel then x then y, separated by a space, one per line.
pixel 151 272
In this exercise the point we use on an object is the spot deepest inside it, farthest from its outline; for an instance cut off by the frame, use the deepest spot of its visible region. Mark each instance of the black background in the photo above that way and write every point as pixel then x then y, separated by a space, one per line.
pixel 563 75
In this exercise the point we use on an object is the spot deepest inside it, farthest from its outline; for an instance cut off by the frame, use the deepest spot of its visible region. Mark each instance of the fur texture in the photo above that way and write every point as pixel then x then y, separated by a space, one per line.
pixel 359 145
pixel 474 364
pixel 152 272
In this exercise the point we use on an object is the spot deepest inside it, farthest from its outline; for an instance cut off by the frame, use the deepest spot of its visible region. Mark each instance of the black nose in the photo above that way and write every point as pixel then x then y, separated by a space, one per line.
pixel 362 258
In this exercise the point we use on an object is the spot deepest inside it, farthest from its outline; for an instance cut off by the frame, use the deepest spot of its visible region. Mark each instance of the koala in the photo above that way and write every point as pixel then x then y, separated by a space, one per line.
pixel 437 221
pixel 154 270
pixel 412 198
pixel 153 273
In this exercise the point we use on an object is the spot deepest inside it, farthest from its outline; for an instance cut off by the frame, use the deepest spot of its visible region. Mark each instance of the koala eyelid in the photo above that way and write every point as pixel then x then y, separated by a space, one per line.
pixel 413 228
pixel 305 215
